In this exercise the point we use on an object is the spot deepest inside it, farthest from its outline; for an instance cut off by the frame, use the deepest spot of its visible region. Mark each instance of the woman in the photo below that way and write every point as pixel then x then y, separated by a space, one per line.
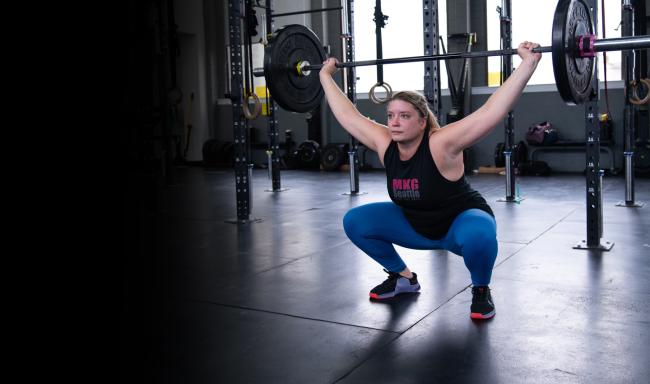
pixel 433 206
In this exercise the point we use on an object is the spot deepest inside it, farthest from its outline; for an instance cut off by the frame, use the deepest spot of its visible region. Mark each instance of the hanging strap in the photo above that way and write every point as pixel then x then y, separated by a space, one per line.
pixel 380 22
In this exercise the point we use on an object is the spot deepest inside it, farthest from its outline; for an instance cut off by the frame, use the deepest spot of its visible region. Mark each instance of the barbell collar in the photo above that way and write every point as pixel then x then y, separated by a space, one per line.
pixel 301 68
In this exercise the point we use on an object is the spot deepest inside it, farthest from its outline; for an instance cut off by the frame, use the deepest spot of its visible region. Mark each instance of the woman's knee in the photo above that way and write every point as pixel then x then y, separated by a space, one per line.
pixel 481 243
pixel 350 221
pixel 364 218
pixel 355 221
pixel 475 228
pixel 484 234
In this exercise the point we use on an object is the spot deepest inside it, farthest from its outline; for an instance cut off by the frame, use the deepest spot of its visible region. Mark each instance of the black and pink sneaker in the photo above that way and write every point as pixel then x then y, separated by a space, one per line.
pixel 394 285
pixel 482 304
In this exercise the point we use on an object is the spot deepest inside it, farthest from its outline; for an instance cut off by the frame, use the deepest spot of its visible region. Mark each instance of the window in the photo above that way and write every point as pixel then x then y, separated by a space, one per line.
pixel 401 37
pixel 533 21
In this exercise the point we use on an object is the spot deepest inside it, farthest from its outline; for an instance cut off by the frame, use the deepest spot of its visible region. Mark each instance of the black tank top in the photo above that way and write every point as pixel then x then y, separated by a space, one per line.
pixel 429 201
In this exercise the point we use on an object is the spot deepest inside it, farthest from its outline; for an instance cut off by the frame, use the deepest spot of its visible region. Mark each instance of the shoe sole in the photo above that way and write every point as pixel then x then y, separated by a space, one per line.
pixel 482 316
pixel 394 293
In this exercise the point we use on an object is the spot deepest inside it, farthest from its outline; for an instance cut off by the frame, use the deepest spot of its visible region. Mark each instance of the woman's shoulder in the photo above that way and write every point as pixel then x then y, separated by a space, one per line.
pixel 449 165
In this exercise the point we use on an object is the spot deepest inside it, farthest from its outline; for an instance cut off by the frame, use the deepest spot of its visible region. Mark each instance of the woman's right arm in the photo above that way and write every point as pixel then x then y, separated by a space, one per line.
pixel 373 135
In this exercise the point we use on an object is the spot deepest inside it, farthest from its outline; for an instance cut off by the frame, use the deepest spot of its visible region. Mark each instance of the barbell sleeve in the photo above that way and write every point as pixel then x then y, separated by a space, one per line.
pixel 622 43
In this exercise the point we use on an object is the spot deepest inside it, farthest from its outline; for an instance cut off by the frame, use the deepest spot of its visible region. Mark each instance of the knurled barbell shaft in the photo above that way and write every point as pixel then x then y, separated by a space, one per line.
pixel 412 59
pixel 602 45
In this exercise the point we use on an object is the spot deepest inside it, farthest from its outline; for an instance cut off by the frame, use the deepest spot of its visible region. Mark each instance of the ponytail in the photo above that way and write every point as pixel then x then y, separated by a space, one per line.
pixel 432 122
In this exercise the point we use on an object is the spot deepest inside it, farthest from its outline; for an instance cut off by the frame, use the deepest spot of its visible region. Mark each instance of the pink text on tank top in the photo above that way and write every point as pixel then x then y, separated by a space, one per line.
pixel 406 189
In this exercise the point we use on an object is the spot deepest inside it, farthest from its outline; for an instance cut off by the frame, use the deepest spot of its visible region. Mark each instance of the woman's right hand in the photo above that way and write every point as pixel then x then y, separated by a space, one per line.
pixel 329 67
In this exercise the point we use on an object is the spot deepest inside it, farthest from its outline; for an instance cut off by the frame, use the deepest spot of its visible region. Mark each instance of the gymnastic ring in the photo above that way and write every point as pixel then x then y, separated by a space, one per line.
pixel 634 98
pixel 256 110
pixel 387 88
pixel 646 99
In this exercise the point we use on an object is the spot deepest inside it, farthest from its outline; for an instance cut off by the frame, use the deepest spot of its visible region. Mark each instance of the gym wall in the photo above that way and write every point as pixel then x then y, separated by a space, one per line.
pixel 538 103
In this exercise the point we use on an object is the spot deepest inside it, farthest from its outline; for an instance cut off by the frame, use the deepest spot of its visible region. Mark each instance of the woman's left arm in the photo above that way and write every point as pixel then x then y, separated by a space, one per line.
pixel 464 133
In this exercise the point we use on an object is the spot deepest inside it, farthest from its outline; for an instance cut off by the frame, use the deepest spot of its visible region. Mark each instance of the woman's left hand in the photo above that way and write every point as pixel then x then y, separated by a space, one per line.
pixel 525 50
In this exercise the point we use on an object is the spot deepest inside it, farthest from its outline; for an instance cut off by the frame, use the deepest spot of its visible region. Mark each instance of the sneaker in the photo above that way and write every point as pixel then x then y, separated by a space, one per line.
pixel 482 304
pixel 395 284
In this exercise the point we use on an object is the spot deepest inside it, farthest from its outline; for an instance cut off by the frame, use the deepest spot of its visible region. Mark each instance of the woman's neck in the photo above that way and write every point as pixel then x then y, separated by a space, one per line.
pixel 408 148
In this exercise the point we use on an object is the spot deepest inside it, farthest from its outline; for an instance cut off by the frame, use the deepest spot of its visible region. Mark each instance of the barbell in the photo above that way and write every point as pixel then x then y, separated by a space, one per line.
pixel 291 50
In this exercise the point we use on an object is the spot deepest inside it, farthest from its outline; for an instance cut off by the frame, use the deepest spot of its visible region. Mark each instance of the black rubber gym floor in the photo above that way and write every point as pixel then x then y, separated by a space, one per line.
pixel 285 299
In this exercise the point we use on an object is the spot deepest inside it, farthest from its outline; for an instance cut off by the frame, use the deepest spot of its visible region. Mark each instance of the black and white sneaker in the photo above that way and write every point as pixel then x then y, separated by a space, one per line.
pixel 394 285
pixel 482 304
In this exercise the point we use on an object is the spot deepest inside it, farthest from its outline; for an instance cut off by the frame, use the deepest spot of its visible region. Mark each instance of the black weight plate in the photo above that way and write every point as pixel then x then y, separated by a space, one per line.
pixel 286 47
pixel 573 74
pixel 292 159
pixel 520 153
pixel 332 157
pixel 309 154
pixel 642 158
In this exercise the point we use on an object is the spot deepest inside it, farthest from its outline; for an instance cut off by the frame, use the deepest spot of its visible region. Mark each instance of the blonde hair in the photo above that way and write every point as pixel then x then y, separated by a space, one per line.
pixel 420 103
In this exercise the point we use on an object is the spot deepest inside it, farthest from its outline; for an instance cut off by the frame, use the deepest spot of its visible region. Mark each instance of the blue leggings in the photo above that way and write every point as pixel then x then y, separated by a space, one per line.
pixel 375 227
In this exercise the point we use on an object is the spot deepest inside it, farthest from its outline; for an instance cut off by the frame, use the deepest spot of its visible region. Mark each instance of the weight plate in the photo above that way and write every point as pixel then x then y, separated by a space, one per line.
pixel 309 154
pixel 332 157
pixel 287 47
pixel 642 158
pixel 573 74
pixel 520 153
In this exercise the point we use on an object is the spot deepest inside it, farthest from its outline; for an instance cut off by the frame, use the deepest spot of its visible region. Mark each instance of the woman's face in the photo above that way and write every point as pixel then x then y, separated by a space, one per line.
pixel 404 122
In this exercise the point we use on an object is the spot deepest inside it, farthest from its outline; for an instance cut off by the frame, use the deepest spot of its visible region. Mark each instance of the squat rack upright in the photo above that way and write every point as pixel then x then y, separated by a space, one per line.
pixel 242 162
